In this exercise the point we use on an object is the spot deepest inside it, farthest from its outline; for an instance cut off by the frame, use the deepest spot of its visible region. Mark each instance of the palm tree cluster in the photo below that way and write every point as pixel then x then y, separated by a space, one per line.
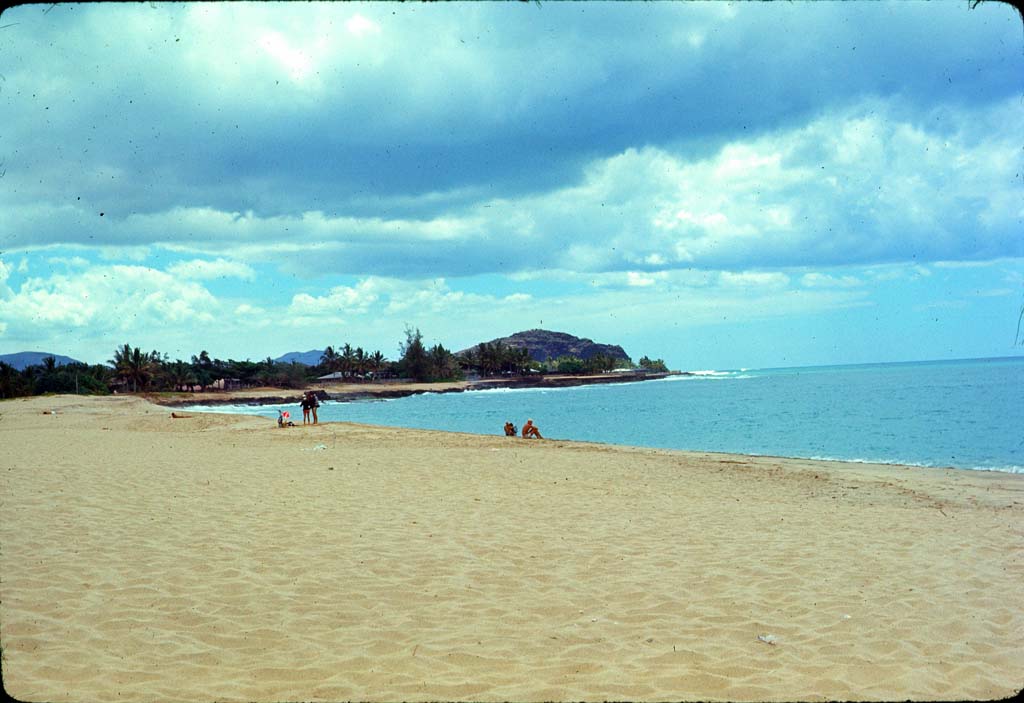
pixel 135 370
pixel 653 364
pixel 497 358
pixel 598 363
pixel 48 377
pixel 353 363
pixel 135 367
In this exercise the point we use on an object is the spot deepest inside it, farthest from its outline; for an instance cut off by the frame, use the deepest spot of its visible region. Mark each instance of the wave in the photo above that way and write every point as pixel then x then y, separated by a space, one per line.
pixel 477 392
pixel 1008 469
pixel 708 375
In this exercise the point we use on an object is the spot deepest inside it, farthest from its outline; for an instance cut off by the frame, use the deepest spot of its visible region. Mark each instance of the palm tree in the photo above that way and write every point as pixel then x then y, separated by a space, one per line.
pixel 521 360
pixel 179 375
pixel 134 365
pixel 359 360
pixel 13 383
pixel 376 362
pixel 329 359
pixel 470 359
pixel 202 367
pixel 443 364
pixel 348 359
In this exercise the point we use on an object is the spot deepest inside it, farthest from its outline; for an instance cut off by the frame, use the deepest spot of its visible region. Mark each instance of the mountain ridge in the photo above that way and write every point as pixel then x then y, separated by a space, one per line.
pixel 307 358
pixel 546 344
pixel 22 360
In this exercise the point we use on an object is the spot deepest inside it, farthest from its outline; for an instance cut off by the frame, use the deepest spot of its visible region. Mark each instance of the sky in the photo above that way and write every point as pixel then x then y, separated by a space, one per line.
pixel 720 185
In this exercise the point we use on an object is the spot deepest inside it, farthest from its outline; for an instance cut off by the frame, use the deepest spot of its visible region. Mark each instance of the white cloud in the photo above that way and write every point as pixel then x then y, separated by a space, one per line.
pixel 137 254
pixel 108 297
pixel 753 279
pixel 201 269
pixel 5 274
pixel 70 261
pixel 941 305
pixel 964 264
pixel 340 300
pixel 824 280
pixel 638 280
pixel 859 185
pixel 359 26
pixel 296 62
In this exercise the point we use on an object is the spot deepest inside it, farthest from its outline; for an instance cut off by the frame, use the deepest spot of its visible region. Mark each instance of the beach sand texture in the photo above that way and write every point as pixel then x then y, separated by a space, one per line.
pixel 216 557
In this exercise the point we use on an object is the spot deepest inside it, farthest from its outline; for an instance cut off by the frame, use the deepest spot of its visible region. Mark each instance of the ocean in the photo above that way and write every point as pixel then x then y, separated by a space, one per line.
pixel 966 414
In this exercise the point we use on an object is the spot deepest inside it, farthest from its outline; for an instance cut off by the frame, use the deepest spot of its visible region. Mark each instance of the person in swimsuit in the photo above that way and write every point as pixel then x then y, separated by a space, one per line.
pixel 530 430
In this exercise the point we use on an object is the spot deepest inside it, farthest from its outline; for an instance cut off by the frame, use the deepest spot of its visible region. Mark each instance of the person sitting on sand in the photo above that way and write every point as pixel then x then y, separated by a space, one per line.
pixel 284 419
pixel 510 429
pixel 530 430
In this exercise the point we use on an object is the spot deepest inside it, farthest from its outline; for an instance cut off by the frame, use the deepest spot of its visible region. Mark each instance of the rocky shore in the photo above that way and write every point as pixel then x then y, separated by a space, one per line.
pixel 384 390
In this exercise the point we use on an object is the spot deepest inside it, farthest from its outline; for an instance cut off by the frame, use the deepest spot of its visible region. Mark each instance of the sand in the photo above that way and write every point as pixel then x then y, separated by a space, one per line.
pixel 146 558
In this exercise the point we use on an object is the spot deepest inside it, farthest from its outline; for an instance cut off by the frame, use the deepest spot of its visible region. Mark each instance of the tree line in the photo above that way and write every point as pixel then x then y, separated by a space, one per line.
pixel 132 370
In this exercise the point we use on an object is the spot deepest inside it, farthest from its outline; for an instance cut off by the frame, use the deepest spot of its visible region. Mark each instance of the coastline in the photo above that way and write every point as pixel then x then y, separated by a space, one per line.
pixel 344 392
pixel 215 556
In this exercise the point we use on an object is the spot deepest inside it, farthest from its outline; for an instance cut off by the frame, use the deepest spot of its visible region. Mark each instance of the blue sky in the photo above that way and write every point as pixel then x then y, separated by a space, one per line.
pixel 721 185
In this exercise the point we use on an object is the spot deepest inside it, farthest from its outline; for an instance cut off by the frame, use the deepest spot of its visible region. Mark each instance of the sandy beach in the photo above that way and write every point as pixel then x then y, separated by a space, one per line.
pixel 219 558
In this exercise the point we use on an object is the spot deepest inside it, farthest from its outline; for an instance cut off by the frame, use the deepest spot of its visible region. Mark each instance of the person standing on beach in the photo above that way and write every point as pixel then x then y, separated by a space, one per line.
pixel 313 405
pixel 305 408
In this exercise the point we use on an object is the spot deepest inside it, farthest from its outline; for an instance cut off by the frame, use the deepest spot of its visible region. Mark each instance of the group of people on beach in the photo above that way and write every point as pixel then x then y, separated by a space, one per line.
pixel 309 405
pixel 530 430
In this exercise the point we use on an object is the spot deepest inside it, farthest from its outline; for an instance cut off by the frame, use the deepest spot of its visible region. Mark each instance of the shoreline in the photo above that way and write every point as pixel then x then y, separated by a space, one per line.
pixel 260 398
pixel 346 392
pixel 215 556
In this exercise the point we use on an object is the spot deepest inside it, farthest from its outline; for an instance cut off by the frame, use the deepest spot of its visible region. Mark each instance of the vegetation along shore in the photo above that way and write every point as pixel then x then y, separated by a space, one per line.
pixel 534 358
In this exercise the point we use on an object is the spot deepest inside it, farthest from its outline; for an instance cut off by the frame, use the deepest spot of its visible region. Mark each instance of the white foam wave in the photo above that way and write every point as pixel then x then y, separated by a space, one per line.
pixel 708 376
pixel 1009 469
pixel 478 392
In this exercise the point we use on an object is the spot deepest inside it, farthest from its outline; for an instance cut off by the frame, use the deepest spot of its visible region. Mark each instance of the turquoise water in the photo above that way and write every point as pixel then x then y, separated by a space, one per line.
pixel 962 414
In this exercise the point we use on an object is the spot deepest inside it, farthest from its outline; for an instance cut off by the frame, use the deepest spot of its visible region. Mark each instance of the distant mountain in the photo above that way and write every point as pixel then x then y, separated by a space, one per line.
pixel 544 345
pixel 310 358
pixel 23 360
